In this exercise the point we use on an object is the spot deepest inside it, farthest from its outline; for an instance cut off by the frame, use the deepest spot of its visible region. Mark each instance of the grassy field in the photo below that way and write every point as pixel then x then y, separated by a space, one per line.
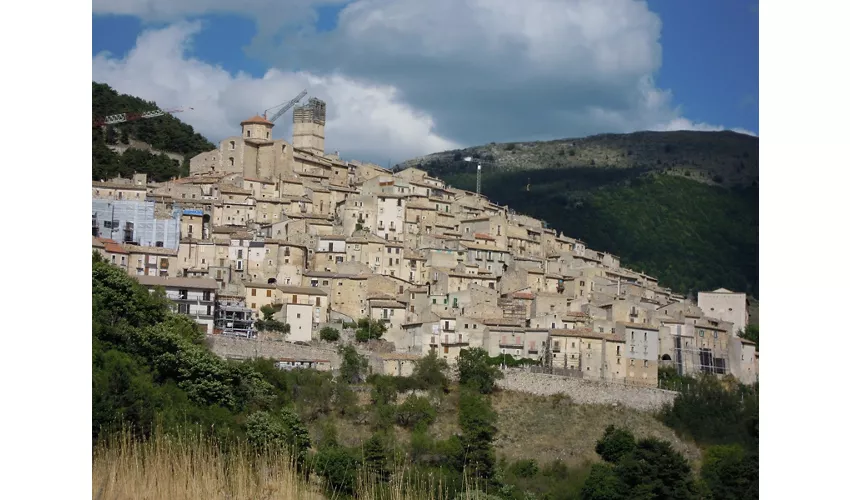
pixel 541 428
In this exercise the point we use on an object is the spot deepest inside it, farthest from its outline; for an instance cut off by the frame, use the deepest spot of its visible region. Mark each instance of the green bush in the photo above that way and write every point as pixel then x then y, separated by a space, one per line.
pixel 329 334
pixel 615 444
pixel 338 466
pixel 369 329
pixel 431 372
pixel 415 411
pixel 730 472
pixel 475 371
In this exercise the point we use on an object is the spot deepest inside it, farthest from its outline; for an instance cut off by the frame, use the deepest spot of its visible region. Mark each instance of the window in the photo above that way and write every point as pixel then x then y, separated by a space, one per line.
pixel 253 305
pixel 298 315
pixel 232 145
pixel 645 363
pixel 231 159
pixel 268 293
pixel 631 362
pixel 702 333
pixel 295 300
pixel 248 133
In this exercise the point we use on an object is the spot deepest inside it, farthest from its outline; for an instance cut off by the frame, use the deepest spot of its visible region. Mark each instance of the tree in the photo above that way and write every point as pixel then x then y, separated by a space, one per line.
pixel 268 323
pixel 603 484
pixel 369 329
pixel 329 334
pixel 647 469
pixel 477 423
pixel 615 444
pixel 430 372
pixel 338 467
pixel 751 333
pixel 353 366
pixel 415 411
pixel 376 459
pixel 474 370
pixel 730 472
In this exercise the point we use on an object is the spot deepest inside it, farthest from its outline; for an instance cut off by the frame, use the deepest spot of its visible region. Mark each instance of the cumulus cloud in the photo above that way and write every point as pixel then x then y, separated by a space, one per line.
pixel 365 120
pixel 492 70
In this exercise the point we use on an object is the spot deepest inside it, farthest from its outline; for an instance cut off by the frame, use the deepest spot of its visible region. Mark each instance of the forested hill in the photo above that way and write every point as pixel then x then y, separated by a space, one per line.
pixel 163 133
pixel 682 206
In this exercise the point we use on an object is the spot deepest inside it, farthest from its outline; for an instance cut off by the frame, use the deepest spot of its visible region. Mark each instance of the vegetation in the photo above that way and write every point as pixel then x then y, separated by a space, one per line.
pixel 329 334
pixel 751 333
pixel 179 403
pixel 369 329
pixel 164 133
pixel 268 323
pixel 475 370
pixel 648 468
pixel 646 197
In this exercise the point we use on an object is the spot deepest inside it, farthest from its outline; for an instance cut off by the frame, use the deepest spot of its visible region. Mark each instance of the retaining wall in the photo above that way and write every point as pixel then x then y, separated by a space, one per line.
pixel 586 391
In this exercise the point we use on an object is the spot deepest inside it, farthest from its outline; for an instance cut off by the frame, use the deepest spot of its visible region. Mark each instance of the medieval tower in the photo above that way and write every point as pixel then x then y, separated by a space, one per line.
pixel 308 131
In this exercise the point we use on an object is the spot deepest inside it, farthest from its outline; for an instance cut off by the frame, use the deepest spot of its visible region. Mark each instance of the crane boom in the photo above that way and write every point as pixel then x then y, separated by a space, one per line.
pixel 286 107
pixel 126 117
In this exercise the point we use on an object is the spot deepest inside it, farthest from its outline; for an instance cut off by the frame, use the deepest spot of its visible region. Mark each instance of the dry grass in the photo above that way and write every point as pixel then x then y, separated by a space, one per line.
pixel 539 428
pixel 552 427
pixel 179 468
pixel 183 468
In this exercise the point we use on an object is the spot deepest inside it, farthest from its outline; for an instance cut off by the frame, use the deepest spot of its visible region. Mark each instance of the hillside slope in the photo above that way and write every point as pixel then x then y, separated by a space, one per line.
pixel 682 206
pixel 164 133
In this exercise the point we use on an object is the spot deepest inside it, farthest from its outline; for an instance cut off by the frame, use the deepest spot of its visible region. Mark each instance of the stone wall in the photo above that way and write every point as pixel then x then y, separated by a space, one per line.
pixel 239 348
pixel 586 391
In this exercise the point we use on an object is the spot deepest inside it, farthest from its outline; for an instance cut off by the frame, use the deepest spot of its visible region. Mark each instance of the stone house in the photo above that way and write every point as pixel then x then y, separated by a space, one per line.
pixel 725 305
pixel 194 297
pixel 255 154
pixel 151 261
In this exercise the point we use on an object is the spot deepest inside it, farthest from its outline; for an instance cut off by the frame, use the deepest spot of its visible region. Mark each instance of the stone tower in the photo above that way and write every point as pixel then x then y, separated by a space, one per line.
pixel 308 131
pixel 257 127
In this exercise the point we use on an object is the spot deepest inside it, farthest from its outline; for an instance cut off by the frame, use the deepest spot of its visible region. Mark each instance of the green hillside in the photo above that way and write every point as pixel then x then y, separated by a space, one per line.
pixel 164 133
pixel 682 210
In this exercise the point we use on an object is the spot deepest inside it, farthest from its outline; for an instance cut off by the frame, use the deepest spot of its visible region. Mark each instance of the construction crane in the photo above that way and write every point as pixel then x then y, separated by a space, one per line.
pixel 285 107
pixel 127 117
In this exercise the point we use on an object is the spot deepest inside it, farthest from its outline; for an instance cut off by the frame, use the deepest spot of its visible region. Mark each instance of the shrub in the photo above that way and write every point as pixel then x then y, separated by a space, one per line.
pixel 329 334
pixel 615 444
pixel 338 466
pixel 475 371
pixel 415 411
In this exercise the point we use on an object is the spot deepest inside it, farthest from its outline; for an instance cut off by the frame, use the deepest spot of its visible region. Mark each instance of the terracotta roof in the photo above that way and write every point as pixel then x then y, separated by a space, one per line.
pixel 150 250
pixel 197 283
pixel 484 236
pixel 257 119
pixel 95 242
pixel 523 295
pixel 306 290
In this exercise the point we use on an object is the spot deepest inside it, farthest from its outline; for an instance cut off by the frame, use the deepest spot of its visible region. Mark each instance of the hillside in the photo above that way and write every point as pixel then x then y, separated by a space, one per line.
pixel 682 206
pixel 165 133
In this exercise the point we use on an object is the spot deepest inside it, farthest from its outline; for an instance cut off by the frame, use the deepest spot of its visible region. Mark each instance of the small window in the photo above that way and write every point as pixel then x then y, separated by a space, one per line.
pixel 253 292
pixel 268 293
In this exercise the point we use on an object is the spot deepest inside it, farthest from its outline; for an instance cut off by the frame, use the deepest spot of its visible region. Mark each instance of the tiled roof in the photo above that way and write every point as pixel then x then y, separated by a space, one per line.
pixel 258 120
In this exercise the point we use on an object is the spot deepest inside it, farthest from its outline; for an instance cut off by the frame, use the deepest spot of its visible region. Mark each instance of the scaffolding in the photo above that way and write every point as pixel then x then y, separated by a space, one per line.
pixel 135 222
pixel 233 319
pixel 691 358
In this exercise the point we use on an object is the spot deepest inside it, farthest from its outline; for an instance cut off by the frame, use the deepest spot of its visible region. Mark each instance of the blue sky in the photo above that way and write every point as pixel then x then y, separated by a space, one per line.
pixel 437 81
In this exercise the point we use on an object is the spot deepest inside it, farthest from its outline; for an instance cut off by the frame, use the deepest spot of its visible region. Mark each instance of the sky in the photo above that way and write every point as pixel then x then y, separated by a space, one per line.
pixel 404 78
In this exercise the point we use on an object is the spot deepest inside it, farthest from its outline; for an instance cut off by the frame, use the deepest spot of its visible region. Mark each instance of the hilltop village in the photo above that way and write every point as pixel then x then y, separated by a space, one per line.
pixel 264 222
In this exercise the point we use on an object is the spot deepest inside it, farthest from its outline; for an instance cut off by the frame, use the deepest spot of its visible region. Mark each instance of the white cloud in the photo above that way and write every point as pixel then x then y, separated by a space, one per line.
pixel 365 121
pixel 492 70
